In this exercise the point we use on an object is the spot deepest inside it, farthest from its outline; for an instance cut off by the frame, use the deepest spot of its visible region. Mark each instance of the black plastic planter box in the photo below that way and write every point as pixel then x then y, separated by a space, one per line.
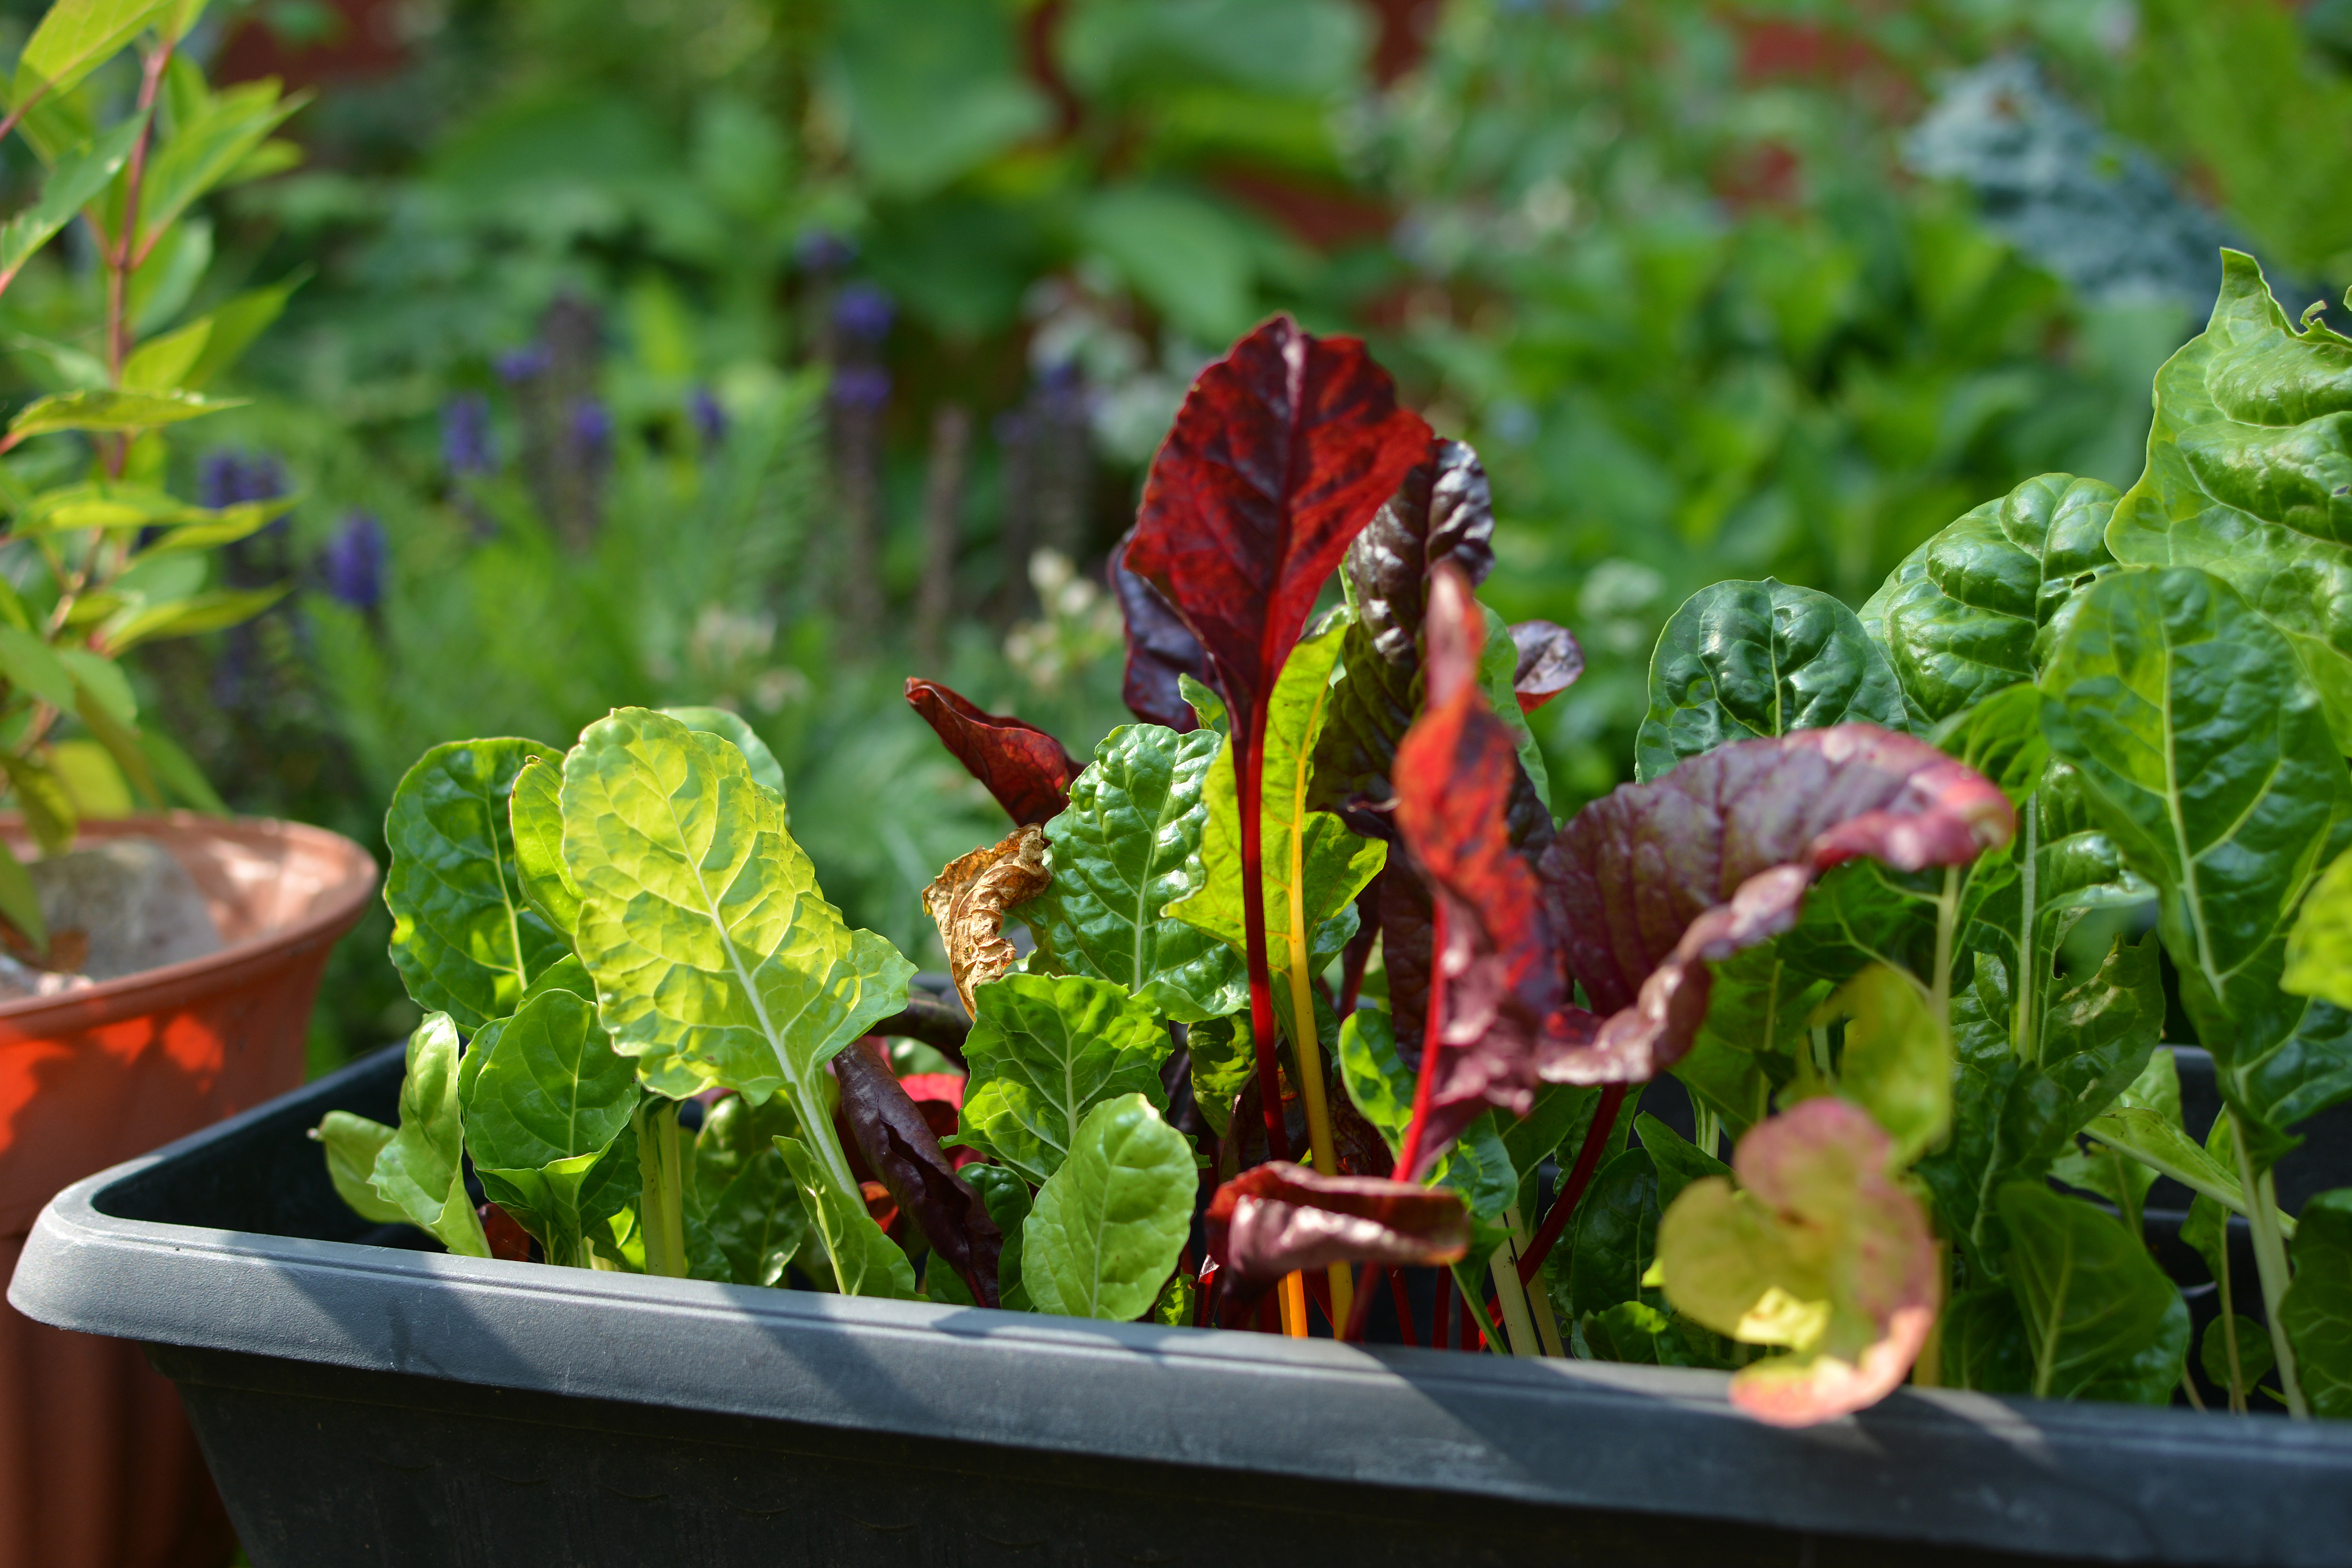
pixel 368 1404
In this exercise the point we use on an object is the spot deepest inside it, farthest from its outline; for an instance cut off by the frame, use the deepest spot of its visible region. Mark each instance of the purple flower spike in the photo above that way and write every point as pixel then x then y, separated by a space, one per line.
pixel 709 419
pixel 519 365
pixel 863 313
pixel 354 561
pixel 861 386
pixel 466 435
pixel 227 478
pixel 592 430
pixel 821 250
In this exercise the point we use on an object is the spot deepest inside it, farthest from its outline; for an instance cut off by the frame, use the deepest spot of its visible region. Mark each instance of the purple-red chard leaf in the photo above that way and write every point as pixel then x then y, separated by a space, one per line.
pixel 900 1147
pixel 1160 650
pixel 1281 453
pixel 1498 976
pixel 1651 884
pixel 1025 768
pixel 1280 1218
pixel 1550 659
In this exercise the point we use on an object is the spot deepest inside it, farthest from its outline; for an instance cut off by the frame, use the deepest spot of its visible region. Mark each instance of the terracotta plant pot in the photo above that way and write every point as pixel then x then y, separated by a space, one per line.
pixel 97 1469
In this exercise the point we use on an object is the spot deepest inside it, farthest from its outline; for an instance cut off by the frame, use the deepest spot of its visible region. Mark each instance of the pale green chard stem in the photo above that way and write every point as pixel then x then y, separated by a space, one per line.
pixel 2024 1031
pixel 2270 1262
pixel 2230 1321
pixel 1538 1298
pixel 1517 1321
pixel 1947 926
pixel 660 1206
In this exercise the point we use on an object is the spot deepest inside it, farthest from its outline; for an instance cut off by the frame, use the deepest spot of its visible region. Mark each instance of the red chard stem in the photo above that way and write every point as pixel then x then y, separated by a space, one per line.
pixel 1588 1158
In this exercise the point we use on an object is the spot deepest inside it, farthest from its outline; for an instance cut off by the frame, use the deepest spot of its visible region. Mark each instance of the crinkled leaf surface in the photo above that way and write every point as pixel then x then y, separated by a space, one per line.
pixel 1740 660
pixel 1128 847
pixel 2317 1310
pixel 1959 618
pixel 2319 947
pixel 1007 1196
pixel 716 958
pixel 421 1171
pixel 2250 476
pixel 1105 1232
pixel 732 728
pixel 1282 452
pixel 1279 1219
pixel 1024 767
pixel 2101 1320
pixel 535 816
pixel 1043 1051
pixel 865 1261
pixel 1224 1058
pixel 464 939
pixel 1817 1250
pixel 353 1142
pixel 2203 748
pixel 549 1096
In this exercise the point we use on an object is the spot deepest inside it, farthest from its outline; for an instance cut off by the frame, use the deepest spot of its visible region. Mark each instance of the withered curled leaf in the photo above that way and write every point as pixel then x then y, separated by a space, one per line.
pixel 1278 1218
pixel 969 899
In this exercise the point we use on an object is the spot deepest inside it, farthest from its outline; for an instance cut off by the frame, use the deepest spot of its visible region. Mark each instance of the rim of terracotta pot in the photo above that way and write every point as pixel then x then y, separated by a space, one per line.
pixel 349 880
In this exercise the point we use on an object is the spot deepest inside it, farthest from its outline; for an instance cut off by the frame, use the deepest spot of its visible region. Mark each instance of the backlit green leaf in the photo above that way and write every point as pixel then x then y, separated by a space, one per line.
pixel 535 817
pixel 113 411
pixel 353 1142
pixel 550 1096
pixel 77 177
pixel 866 1262
pixel 1898 1063
pixel 463 937
pixel 1744 659
pixel 759 1219
pixel 1128 847
pixel 1105 1232
pixel 2318 948
pixel 731 727
pixel 420 1170
pixel 1043 1051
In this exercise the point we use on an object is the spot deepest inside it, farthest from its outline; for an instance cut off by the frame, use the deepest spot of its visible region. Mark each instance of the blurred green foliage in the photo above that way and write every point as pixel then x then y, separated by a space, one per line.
pixel 579 370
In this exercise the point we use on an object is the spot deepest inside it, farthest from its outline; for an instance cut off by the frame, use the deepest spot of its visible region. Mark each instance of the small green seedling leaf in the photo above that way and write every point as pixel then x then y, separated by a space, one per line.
pixel 421 1170
pixel 352 1143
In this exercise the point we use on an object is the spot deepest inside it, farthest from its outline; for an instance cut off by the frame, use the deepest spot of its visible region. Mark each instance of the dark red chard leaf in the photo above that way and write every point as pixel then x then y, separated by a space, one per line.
pixel 1025 768
pixel 1549 661
pixel 506 1238
pixel 899 1146
pixel 1159 649
pixel 939 1097
pixel 1657 880
pixel 1281 453
pixel 1281 1219
pixel 1441 512
pixel 1498 976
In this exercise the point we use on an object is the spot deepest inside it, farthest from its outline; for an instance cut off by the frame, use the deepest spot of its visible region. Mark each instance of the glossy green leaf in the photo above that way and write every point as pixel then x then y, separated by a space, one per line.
pixel 1007 1199
pixel 1128 847
pixel 716 958
pixel 1206 705
pixel 548 1098
pixel 1478 1164
pixel 2205 753
pixel 77 177
pixel 1744 659
pixel 2102 1322
pixel 2246 476
pixel 421 1172
pixel 535 820
pixel 759 1220
pixel 731 727
pixel 2319 946
pixel 2256 1357
pixel 2317 1308
pixel 2109 1167
pixel 77 36
pixel 1756 1014
pixel 2001 737
pixel 1043 1051
pixel 1105 1232
pixel 1983 1343
pixel 109 412
pixel 1610 1241
pixel 1311 860
pixel 351 1143
pixel 1676 1161
pixel 1959 618
pixel 1224 1058
pixel 866 1262
pixel 463 937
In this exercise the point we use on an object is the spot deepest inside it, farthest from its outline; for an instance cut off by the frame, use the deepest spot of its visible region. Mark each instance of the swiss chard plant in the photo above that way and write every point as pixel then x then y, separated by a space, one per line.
pixel 100 558
pixel 1316 990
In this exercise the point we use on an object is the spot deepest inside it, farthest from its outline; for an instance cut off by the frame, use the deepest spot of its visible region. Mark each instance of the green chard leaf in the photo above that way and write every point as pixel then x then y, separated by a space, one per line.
pixel 548 1099
pixel 1007 1199
pixel 2204 751
pixel 1043 1052
pixel 2317 1308
pixel 759 1219
pixel 1898 1063
pixel 732 728
pixel 716 958
pixel 2247 472
pixel 1744 659
pixel 462 937
pixel 1128 847
pixel 1105 1233
pixel 1223 1057
pixel 866 1262
pixel 2101 1320
pixel 535 816
pixel 421 1170
pixel 2319 948
pixel 1959 619
pixel 353 1142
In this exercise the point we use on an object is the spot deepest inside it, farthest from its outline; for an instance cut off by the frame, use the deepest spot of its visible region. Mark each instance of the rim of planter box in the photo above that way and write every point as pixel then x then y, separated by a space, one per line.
pixel 2100 1482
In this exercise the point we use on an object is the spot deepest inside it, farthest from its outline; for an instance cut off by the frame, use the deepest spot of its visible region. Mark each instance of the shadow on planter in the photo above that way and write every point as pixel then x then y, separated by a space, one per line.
pixel 97 1469
pixel 361 1402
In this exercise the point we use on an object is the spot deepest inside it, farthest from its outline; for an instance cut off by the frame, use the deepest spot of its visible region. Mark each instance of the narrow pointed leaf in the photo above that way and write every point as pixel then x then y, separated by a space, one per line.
pixel 421 1171
pixel 464 938
pixel 77 177
pixel 1740 660
pixel 901 1149
pixel 866 1262
pixel 1106 1231
pixel 1279 1219
pixel 1025 768
pixel 1130 845
pixel 1043 1052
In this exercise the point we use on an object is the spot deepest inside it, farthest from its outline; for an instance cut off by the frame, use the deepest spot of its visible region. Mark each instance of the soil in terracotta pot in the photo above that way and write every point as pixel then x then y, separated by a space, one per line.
pixel 121 907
